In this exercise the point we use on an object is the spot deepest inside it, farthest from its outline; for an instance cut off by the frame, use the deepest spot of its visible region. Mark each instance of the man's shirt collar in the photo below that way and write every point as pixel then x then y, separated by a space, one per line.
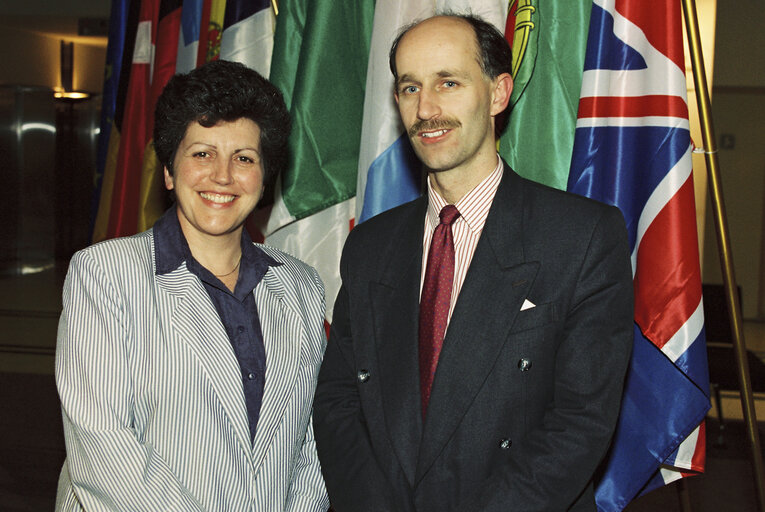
pixel 473 206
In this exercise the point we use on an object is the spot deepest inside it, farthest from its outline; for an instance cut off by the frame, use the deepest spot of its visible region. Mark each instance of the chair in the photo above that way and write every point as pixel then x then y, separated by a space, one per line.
pixel 723 373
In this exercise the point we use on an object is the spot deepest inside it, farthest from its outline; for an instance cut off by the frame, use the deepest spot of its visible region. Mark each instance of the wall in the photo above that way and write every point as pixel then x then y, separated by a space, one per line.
pixel 85 8
pixel 29 58
pixel 32 58
pixel 738 110
pixel 706 12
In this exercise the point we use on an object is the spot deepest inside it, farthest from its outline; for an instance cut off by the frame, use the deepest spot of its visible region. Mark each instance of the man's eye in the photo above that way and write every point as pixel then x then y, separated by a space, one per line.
pixel 409 89
pixel 450 83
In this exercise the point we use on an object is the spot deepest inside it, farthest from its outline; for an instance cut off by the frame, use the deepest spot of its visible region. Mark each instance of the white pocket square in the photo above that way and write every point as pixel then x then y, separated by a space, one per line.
pixel 527 304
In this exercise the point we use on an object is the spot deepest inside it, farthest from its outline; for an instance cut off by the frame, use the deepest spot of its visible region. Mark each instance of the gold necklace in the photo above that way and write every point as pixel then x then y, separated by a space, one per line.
pixel 233 270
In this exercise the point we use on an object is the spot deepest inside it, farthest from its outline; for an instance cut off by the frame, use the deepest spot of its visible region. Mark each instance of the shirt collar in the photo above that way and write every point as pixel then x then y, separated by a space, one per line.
pixel 473 206
pixel 170 246
pixel 171 249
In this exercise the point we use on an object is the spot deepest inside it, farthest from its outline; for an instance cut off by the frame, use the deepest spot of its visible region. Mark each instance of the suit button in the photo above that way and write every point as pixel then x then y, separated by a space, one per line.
pixel 524 364
pixel 362 376
pixel 505 444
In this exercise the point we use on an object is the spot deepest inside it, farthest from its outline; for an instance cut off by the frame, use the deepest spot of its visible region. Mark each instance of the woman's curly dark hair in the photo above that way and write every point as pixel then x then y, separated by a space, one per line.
pixel 222 91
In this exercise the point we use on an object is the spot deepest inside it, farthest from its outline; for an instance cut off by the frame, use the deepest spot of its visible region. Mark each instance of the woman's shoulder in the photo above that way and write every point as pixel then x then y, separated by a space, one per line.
pixel 118 253
pixel 292 266
pixel 284 258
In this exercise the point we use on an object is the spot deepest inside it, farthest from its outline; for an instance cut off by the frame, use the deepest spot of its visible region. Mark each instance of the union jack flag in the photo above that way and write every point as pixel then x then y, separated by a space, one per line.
pixel 633 149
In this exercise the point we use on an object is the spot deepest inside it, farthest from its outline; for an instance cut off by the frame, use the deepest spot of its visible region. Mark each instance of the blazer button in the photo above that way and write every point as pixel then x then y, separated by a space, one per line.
pixel 505 444
pixel 524 364
pixel 362 376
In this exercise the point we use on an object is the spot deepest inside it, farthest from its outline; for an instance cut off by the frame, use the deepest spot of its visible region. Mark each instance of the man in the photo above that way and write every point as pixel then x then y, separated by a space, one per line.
pixel 511 407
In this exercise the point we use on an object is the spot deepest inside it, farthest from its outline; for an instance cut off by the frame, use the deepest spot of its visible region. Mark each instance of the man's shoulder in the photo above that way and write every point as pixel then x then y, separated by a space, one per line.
pixel 551 196
pixel 390 222
pixel 547 203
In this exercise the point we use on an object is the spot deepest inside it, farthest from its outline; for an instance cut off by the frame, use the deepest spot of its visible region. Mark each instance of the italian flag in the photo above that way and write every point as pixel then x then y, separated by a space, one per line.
pixel 319 63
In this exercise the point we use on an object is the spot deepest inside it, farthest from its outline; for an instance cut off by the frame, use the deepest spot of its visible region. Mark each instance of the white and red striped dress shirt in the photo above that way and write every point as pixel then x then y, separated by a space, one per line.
pixel 474 208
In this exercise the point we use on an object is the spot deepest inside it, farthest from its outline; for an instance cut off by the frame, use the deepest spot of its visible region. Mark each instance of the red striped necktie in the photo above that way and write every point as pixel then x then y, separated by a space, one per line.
pixel 435 299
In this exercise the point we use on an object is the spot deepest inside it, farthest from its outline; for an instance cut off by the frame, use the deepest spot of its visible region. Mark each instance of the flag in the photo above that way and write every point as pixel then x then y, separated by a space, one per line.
pixel 248 34
pixel 632 149
pixel 319 64
pixel 388 170
pixel 188 39
pixel 123 214
pixel 548 42
pixel 210 30
pixel 117 32
pixel 152 199
pixel 114 137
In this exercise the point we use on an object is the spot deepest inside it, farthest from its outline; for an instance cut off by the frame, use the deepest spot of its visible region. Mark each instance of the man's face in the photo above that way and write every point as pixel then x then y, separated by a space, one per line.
pixel 445 101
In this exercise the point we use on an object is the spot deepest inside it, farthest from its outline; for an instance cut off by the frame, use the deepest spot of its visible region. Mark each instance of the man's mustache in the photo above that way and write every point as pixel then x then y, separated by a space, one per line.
pixel 433 124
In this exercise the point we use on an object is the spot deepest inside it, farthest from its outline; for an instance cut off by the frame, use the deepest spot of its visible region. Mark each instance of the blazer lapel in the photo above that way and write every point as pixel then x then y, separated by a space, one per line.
pixel 495 287
pixel 395 313
pixel 192 318
pixel 283 335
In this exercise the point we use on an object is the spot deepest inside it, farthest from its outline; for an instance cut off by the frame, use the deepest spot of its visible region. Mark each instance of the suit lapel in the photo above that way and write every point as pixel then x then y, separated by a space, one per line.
pixel 495 287
pixel 283 335
pixel 192 318
pixel 395 313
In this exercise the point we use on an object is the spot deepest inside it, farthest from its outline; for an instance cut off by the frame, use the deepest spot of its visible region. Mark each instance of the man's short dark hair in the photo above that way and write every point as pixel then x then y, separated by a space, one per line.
pixel 494 54
pixel 222 91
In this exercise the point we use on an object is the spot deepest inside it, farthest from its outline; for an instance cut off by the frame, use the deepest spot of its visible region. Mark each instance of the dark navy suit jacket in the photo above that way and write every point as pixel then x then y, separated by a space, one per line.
pixel 524 403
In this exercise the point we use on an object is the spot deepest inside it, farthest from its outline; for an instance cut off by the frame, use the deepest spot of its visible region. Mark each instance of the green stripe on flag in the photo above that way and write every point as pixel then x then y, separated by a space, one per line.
pixel 319 63
pixel 539 139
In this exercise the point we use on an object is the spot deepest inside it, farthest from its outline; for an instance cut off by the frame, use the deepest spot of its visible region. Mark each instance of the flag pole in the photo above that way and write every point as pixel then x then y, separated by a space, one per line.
pixel 723 244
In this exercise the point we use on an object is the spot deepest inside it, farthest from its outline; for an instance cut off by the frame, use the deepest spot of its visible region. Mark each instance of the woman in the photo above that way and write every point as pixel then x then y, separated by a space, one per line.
pixel 187 355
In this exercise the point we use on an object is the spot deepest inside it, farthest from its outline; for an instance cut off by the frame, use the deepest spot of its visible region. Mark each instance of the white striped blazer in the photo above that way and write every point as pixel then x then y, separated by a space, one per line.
pixel 152 402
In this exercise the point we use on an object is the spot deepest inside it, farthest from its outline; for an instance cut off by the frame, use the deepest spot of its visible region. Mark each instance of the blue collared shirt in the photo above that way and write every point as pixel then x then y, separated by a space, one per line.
pixel 237 311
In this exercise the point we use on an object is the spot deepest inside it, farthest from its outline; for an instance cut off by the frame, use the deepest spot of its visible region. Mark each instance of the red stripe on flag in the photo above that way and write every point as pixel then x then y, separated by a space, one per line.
pixel 123 215
pixel 632 106
pixel 204 33
pixel 168 33
pixel 510 24
pixel 667 36
pixel 700 453
pixel 668 279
